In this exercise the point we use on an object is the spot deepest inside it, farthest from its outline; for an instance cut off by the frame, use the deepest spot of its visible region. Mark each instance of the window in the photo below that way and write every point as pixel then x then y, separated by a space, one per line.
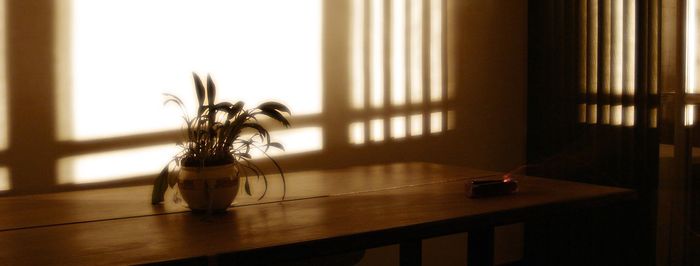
pixel 607 75
pixel 113 62
pixel 692 58
pixel 397 64
pixel 120 68
pixel 4 179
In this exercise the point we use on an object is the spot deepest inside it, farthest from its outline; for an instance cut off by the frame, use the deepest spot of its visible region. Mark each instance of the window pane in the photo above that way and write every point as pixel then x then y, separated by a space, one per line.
pixel 123 59
pixel 398 127
pixel 376 129
pixel 4 179
pixel 298 140
pixel 435 122
pixel 357 133
pixel 114 165
pixel 416 125
pixel 120 164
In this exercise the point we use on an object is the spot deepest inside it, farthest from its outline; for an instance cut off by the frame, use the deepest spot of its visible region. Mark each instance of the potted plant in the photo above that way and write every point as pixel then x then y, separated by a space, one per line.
pixel 216 153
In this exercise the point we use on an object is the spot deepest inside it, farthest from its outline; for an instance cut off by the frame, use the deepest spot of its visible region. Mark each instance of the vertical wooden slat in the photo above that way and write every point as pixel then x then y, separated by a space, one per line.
pixel 630 32
pixel 337 73
pixel 31 39
pixel 583 58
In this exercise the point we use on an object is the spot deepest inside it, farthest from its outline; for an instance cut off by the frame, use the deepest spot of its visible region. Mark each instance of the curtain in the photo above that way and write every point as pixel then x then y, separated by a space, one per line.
pixel 593 98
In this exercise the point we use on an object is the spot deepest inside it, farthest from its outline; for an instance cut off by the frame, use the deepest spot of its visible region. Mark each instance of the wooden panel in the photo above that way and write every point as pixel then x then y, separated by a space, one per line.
pixel 118 203
pixel 328 223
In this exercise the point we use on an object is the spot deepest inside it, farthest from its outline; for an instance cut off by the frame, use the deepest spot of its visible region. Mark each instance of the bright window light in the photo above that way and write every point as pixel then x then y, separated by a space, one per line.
pixel 436 50
pixel 5 179
pixel 416 125
pixel 416 51
pixel 592 116
pixel 298 140
pixel 376 127
pixel 122 59
pixel 398 127
pixel 691 50
pixel 689 118
pixel 398 52
pixel 120 164
pixel 357 133
pixel 628 119
pixel 113 165
pixel 377 55
pixel 435 122
pixel 616 115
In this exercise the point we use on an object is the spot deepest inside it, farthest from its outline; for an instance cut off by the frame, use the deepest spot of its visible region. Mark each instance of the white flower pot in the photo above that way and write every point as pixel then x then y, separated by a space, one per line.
pixel 208 188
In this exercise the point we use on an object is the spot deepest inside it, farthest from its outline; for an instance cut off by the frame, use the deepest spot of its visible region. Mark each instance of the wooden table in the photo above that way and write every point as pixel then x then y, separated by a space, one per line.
pixel 325 212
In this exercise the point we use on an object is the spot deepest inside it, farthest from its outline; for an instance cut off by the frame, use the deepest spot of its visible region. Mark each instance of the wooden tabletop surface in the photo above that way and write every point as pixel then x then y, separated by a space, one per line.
pixel 119 226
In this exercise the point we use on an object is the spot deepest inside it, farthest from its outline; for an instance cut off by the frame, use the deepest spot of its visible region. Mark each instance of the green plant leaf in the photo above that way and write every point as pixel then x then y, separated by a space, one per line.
pixel 274 106
pixel 276 145
pixel 211 90
pixel 279 169
pixel 246 186
pixel 199 89
pixel 173 176
pixel 223 106
pixel 274 114
pixel 261 130
pixel 159 186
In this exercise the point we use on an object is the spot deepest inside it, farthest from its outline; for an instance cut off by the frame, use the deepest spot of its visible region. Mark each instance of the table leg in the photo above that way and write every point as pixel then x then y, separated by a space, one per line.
pixel 410 253
pixel 480 247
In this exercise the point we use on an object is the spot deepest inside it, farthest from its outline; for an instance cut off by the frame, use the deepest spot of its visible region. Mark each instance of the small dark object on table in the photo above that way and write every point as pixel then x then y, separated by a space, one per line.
pixel 481 188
